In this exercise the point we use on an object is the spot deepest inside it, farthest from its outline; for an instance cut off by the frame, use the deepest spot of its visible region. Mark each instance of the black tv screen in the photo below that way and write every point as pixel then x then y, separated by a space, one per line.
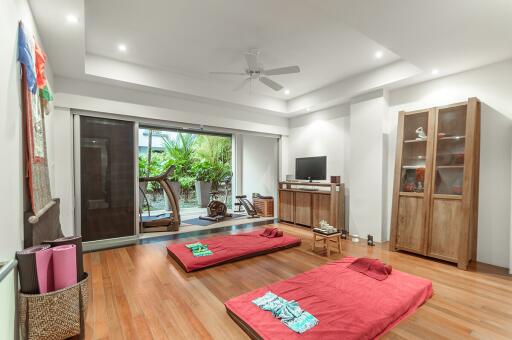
pixel 311 168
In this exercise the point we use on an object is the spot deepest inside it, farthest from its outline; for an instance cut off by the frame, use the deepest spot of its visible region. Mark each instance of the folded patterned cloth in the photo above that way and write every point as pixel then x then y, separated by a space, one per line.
pixel 289 312
pixel 269 302
pixel 301 323
pixel 199 249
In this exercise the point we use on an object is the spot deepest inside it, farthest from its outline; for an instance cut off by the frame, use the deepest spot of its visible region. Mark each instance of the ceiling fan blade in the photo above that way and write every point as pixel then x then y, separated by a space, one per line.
pixel 270 83
pixel 252 60
pixel 282 70
pixel 242 84
pixel 229 73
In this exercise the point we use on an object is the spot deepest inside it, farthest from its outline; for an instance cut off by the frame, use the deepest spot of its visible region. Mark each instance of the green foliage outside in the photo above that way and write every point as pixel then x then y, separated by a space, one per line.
pixel 196 157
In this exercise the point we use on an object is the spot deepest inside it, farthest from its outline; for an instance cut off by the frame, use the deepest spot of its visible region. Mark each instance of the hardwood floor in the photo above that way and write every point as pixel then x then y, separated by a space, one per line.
pixel 138 292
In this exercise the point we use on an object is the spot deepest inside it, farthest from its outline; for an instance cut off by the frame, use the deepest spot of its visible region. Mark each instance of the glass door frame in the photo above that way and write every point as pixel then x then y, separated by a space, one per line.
pixel 198 131
pixel 236 159
pixel 399 194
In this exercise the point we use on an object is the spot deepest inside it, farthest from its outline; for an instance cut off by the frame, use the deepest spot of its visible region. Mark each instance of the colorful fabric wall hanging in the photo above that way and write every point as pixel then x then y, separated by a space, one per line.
pixel 33 85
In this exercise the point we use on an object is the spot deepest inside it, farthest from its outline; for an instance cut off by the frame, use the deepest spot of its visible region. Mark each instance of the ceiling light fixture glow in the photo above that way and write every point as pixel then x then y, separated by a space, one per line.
pixel 286 92
pixel 121 47
pixel 435 71
pixel 379 54
pixel 308 109
pixel 71 19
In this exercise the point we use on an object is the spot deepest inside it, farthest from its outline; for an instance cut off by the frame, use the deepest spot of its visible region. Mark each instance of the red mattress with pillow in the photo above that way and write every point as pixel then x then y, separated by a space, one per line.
pixel 229 248
pixel 347 304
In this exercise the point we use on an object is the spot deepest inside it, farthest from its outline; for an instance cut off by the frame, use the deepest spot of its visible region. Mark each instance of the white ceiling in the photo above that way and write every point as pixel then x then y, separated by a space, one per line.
pixel 195 37
pixel 450 35
pixel 172 45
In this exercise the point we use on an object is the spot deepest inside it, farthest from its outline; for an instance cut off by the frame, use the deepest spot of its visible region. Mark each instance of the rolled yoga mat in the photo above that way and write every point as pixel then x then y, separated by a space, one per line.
pixel 28 270
pixel 77 241
pixel 64 266
pixel 44 267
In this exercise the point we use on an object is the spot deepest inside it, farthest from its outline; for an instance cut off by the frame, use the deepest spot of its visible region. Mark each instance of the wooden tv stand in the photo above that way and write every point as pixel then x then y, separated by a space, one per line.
pixel 308 206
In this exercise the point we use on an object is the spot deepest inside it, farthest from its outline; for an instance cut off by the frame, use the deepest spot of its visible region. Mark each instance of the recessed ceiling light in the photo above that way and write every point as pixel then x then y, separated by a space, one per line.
pixel 379 54
pixel 286 92
pixel 121 47
pixel 435 71
pixel 71 19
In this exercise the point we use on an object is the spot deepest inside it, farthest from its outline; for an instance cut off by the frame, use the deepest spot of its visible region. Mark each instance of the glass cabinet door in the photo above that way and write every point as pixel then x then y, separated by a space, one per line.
pixel 449 150
pixel 414 152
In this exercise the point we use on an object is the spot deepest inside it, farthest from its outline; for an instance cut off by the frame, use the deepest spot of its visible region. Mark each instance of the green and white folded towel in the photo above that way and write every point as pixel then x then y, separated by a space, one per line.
pixel 289 312
pixel 199 249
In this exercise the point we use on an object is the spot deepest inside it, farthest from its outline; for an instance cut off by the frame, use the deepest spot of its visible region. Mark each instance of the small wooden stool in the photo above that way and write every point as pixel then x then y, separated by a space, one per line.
pixel 327 239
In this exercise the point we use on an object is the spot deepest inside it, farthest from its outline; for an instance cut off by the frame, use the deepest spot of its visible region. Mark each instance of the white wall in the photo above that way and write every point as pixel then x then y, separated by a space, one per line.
pixel 366 167
pixel 11 152
pixel 260 166
pixel 323 133
pixel 491 84
pixel 124 101
pixel 8 306
pixel 59 141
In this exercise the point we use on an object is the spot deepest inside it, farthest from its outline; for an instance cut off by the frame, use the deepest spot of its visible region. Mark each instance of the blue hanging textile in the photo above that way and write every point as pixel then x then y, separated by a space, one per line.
pixel 25 58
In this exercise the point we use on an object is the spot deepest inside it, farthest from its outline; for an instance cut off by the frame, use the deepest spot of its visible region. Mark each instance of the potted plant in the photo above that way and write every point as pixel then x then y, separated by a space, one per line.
pixel 186 183
pixel 203 184
pixel 179 152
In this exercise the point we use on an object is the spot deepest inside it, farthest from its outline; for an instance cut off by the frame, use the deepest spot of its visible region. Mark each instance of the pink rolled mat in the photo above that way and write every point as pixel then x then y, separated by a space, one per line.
pixel 64 266
pixel 44 268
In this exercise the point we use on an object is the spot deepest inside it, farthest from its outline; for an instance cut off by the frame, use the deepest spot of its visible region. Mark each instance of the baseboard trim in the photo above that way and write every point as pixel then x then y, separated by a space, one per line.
pixel 110 243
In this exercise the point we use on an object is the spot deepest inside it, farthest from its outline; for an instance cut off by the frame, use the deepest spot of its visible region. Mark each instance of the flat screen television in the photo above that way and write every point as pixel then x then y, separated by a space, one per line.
pixel 311 168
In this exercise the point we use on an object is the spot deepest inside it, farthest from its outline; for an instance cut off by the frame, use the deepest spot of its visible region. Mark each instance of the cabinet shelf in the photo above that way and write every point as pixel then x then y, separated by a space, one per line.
pixel 461 166
pixel 452 138
pixel 415 140
pixel 411 194
pixel 412 167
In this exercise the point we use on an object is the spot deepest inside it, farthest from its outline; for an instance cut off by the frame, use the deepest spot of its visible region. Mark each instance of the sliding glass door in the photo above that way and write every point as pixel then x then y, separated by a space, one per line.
pixel 107 178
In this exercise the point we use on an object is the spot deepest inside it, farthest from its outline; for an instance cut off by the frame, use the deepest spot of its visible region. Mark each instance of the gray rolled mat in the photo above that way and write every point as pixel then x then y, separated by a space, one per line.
pixel 77 241
pixel 27 268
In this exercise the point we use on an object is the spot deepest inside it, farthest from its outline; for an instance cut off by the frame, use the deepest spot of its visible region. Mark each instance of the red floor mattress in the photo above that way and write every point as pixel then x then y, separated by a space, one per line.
pixel 229 248
pixel 347 304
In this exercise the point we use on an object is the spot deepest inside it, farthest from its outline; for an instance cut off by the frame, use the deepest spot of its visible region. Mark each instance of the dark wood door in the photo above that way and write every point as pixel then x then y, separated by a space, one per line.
pixel 107 178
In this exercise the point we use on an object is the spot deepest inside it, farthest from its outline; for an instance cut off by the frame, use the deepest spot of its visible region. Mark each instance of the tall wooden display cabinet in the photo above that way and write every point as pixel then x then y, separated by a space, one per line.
pixel 435 194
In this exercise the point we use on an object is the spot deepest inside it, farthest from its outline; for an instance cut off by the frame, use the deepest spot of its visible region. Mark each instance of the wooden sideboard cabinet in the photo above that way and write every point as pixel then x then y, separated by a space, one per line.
pixel 306 204
pixel 435 198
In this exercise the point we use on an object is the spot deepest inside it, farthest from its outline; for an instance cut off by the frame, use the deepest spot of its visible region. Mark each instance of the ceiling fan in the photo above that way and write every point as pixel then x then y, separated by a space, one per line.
pixel 255 71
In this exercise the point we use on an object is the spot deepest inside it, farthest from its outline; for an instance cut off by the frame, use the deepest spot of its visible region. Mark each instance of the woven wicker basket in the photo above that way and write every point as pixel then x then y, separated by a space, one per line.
pixel 55 315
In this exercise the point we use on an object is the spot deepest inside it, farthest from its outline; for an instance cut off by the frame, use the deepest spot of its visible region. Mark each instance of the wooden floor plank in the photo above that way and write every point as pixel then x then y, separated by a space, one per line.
pixel 138 292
